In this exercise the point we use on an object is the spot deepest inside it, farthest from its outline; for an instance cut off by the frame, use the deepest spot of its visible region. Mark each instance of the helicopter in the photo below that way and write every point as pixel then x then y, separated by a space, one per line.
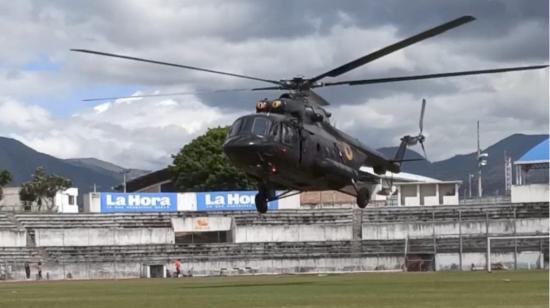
pixel 290 142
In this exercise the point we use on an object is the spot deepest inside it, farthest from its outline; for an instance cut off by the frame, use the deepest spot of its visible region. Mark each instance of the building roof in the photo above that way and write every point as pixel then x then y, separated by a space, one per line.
pixel 536 155
pixel 428 183
pixel 401 176
pixel 156 177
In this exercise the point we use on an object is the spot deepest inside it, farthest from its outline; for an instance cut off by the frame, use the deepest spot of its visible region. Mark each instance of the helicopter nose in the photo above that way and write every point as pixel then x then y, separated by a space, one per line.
pixel 245 151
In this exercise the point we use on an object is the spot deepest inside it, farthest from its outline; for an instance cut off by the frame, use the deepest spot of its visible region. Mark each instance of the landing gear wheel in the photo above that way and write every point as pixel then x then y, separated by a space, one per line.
pixel 261 202
pixel 363 197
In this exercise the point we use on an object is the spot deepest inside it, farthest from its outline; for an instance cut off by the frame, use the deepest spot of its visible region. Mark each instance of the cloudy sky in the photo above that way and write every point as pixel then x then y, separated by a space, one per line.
pixel 42 83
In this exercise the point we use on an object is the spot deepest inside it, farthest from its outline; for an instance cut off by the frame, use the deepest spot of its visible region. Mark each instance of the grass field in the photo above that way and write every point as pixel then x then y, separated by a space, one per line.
pixel 442 289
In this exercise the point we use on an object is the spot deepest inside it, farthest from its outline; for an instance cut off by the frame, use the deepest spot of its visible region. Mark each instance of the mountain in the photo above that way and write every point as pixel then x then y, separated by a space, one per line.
pixel 459 166
pixel 21 161
pixel 107 167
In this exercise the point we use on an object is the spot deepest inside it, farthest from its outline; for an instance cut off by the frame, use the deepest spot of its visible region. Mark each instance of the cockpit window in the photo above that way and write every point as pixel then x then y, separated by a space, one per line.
pixel 260 126
pixel 235 128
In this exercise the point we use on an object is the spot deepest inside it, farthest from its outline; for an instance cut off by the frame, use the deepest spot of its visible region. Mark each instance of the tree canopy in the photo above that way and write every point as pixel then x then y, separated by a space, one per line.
pixel 5 178
pixel 42 189
pixel 201 165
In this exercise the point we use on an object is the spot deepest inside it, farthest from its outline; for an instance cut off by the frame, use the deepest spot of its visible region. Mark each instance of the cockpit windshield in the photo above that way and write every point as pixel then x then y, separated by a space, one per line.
pixel 259 126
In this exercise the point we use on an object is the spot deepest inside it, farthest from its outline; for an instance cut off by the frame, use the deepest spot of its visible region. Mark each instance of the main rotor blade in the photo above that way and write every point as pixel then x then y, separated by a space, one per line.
pixel 421 123
pixel 429 76
pixel 173 64
pixel 163 94
pixel 424 150
pixel 317 98
pixel 394 47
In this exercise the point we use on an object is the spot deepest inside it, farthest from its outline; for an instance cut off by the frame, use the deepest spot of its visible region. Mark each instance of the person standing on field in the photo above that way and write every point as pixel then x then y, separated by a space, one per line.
pixel 39 268
pixel 27 270
pixel 178 268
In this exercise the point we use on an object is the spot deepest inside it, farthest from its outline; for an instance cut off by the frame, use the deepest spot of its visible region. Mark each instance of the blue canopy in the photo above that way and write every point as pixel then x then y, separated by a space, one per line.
pixel 538 154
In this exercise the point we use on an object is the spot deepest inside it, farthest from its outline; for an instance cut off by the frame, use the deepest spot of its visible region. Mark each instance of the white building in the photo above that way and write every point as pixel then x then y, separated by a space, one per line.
pixel 64 202
pixel 535 159
pixel 428 193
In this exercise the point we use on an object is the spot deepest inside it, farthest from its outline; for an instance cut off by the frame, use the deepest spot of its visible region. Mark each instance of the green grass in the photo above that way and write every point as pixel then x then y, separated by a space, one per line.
pixel 442 289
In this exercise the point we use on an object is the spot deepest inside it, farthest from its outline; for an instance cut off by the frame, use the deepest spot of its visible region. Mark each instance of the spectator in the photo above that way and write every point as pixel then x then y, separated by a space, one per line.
pixel 39 268
pixel 178 268
pixel 27 270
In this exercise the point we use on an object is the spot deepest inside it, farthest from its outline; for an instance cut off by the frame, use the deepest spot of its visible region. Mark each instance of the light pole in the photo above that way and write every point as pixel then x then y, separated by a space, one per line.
pixel 470 177
pixel 124 172
pixel 481 161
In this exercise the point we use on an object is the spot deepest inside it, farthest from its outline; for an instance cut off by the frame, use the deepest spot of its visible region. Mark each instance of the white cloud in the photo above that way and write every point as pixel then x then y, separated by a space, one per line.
pixel 266 40
pixel 18 116
pixel 143 133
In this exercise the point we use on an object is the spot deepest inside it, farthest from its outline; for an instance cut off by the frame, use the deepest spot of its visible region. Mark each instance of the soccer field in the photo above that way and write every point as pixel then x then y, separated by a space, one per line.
pixel 442 289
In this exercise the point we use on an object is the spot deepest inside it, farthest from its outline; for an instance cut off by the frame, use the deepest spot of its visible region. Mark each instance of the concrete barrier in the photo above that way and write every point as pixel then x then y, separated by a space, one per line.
pixel 10 238
pixel 103 237
pixel 292 233
pixel 389 231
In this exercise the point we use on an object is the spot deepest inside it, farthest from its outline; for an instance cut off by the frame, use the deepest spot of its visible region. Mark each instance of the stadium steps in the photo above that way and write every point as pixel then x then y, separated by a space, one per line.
pixel 7 222
pixel 292 217
pixel 441 214
pixel 68 221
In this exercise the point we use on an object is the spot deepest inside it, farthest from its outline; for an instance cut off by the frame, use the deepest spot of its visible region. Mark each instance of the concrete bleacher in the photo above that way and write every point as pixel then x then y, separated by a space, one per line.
pixel 290 217
pixel 19 255
pixel 294 225
pixel 87 220
pixel 454 213
pixel 6 223
pixel 90 246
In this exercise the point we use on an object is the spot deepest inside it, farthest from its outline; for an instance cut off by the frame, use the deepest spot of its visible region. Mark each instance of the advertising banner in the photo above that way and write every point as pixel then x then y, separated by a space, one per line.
pixel 229 201
pixel 138 202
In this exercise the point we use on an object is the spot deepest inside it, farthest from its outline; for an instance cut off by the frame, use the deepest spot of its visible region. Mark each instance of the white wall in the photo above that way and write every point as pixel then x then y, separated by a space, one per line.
pixel 387 231
pixel 530 193
pixel 10 238
pixel 525 260
pixel 92 203
pixel 10 200
pixel 291 233
pixel 201 224
pixel 99 237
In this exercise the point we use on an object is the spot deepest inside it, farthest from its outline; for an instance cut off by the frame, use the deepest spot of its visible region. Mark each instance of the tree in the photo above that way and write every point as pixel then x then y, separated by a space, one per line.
pixel 42 189
pixel 201 165
pixel 5 178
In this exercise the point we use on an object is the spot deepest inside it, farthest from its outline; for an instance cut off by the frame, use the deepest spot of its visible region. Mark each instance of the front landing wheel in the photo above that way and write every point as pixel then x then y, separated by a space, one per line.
pixel 261 202
pixel 363 197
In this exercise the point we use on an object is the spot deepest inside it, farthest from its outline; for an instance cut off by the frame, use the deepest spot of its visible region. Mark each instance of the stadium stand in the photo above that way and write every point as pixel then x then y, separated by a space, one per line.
pixel 89 246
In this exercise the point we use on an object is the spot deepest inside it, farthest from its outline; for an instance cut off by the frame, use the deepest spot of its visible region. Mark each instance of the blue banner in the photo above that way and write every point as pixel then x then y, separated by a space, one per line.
pixel 138 202
pixel 230 201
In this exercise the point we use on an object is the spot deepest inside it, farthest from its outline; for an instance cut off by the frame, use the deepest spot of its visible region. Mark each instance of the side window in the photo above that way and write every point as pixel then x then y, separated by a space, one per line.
pixel 289 135
pixel 275 132
pixel 235 128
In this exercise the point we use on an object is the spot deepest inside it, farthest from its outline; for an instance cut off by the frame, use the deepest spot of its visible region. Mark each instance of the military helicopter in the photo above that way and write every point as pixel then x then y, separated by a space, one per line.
pixel 289 142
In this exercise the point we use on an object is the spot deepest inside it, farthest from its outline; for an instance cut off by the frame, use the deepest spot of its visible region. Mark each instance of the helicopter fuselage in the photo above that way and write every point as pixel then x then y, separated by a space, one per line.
pixel 301 153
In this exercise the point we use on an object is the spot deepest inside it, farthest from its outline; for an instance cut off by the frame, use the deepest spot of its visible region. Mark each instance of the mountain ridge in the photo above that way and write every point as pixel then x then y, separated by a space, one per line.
pixel 21 161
